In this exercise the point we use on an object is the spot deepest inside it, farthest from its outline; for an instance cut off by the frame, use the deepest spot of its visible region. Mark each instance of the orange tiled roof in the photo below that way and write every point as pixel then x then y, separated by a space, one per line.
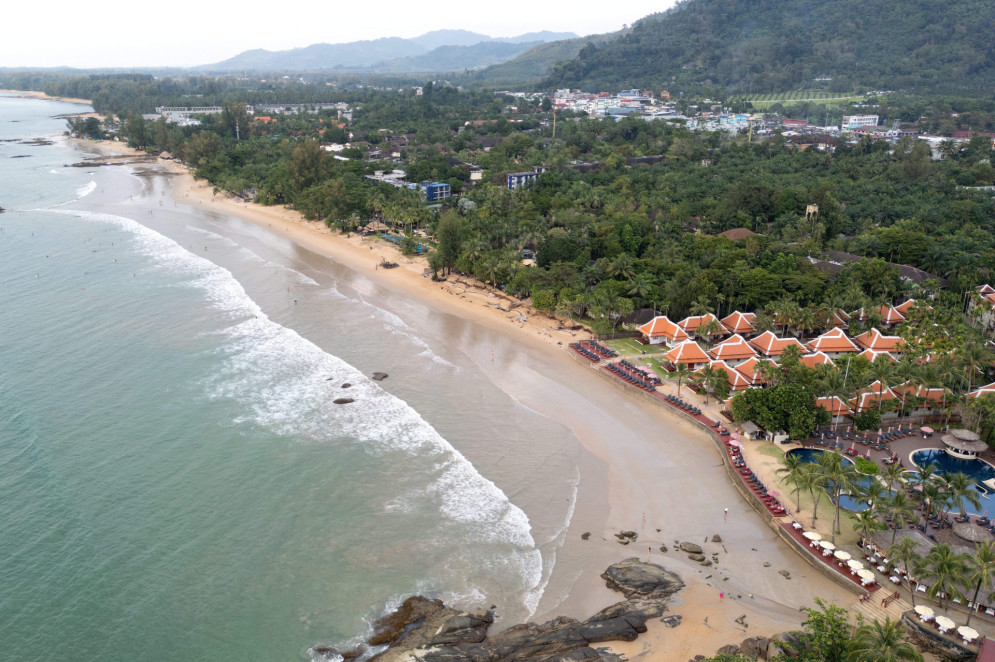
pixel 687 352
pixel 919 391
pixel 738 322
pixel 769 344
pixel 816 359
pixel 871 395
pixel 887 313
pixel 734 348
pixel 906 306
pixel 834 405
pixel 874 339
pixel 834 340
pixel 982 390
pixel 840 319
pixel 662 327
pixel 872 355
pixel 691 324
pixel 986 289
pixel 737 381
pixel 749 369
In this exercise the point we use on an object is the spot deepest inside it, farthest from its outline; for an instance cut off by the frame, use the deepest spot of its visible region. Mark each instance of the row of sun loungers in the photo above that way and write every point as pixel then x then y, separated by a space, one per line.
pixel 633 379
pixel 754 483
pixel 681 404
pixel 652 379
pixel 602 350
pixel 586 353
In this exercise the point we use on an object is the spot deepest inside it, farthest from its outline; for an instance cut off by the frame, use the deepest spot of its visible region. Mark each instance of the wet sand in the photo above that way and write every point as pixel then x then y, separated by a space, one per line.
pixel 644 468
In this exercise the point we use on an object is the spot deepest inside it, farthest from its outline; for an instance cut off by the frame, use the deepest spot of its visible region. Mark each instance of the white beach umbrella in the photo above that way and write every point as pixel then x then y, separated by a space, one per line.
pixel 841 555
pixel 864 573
pixel 855 564
pixel 944 622
pixel 967 632
pixel 812 535
pixel 924 610
pixel 825 544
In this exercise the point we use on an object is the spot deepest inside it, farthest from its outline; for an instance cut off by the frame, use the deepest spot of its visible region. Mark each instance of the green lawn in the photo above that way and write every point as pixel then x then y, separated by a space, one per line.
pixel 654 365
pixel 628 346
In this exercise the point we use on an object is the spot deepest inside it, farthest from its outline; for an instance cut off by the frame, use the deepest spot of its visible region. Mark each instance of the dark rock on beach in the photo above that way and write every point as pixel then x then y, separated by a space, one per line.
pixel 347 385
pixel 342 401
pixel 429 631
pixel 691 548
pixel 379 376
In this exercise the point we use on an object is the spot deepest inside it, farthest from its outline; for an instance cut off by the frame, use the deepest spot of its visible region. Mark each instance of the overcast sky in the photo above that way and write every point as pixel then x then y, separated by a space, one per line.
pixel 115 33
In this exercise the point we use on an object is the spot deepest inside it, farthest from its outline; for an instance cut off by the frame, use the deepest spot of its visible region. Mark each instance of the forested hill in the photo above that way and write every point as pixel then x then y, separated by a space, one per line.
pixel 778 45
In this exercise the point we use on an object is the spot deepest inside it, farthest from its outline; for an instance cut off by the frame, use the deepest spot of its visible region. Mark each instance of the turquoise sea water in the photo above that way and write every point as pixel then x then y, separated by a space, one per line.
pixel 175 482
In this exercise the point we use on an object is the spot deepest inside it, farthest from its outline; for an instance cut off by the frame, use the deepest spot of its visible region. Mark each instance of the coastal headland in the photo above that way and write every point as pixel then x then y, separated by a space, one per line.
pixel 645 469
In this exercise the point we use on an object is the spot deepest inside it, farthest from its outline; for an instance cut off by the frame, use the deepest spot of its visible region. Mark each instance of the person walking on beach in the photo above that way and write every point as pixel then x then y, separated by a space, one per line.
pixel 725 515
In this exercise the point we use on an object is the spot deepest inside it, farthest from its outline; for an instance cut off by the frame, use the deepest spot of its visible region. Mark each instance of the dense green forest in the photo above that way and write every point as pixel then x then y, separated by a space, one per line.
pixel 766 46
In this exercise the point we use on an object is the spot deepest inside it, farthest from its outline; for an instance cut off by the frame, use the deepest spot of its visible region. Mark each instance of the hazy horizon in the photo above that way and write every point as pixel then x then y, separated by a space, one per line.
pixel 188 34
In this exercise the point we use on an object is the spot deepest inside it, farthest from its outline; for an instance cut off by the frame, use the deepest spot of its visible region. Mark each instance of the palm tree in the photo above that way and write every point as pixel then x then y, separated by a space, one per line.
pixel 841 477
pixel 961 488
pixel 904 552
pixel 972 359
pixel 681 370
pixel 866 523
pixel 700 307
pixel 948 570
pixel 709 329
pixel 640 285
pixel 893 473
pixel 881 642
pixel 709 378
pixel 881 370
pixel 793 469
pixel 815 479
pixel 981 572
pixel 902 511
pixel 620 267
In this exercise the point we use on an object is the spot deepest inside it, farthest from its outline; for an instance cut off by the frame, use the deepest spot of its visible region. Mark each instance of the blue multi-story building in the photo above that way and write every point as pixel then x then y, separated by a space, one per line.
pixel 520 179
pixel 436 191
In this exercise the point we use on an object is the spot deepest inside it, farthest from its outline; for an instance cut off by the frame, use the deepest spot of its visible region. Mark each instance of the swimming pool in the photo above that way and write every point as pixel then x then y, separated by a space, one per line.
pixel 977 470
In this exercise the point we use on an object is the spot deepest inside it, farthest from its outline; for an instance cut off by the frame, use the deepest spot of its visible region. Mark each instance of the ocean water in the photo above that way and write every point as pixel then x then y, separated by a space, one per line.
pixel 175 480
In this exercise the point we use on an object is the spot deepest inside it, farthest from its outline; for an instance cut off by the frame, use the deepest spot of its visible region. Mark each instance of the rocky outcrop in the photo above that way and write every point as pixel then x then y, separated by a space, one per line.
pixel 691 548
pixel 429 631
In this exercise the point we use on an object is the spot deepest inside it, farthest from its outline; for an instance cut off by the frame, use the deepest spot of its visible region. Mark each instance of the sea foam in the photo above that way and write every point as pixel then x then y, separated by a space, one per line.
pixel 282 380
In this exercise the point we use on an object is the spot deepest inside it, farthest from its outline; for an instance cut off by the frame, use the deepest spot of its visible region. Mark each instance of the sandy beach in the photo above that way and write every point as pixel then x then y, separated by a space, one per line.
pixel 27 94
pixel 644 468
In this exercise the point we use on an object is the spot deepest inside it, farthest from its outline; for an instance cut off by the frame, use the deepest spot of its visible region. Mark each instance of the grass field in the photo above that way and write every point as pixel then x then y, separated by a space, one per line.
pixel 629 346
pixel 761 101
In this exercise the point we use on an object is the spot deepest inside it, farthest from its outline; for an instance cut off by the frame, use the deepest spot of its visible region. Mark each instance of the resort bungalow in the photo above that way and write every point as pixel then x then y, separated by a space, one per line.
pixel 876 340
pixel 661 331
pixel 750 368
pixel 982 390
pixel 739 323
pixel 815 359
pixel 840 319
pixel 737 382
pixel 733 350
pixel 921 400
pixel 689 353
pixel 872 397
pixel 908 305
pixel 836 406
pixel 873 355
pixel 834 343
pixel 690 325
pixel 888 314
pixel 771 346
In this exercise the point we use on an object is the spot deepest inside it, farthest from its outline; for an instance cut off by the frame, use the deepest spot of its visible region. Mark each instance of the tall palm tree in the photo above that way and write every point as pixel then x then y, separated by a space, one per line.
pixel 866 523
pixel 973 359
pixel 893 474
pixel 621 267
pixel 948 570
pixel 640 285
pixel 841 478
pixel 700 307
pixel 881 642
pixel 981 572
pixel 815 480
pixel 709 329
pixel 793 469
pixel 681 370
pixel 881 370
pixel 960 488
pixel 709 378
pixel 904 552
pixel 902 511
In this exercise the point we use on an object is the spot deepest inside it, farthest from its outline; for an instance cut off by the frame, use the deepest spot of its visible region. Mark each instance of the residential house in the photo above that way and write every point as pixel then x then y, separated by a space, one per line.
pixel 771 346
pixel 739 323
pixel 691 324
pixel 688 352
pixel 836 406
pixel 876 340
pixel 660 330
pixel 815 359
pixel 733 350
pixel 737 382
pixel 834 343
pixel 873 395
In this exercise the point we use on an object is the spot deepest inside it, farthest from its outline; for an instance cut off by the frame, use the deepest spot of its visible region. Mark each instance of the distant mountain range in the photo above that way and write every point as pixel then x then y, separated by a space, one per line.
pixel 440 50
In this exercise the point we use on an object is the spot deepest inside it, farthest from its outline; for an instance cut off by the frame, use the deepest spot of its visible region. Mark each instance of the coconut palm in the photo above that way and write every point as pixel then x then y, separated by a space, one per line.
pixel 960 488
pixel 881 370
pixel 681 370
pixel 981 571
pixel 972 360
pixel 901 509
pixel 881 642
pixel 793 470
pixel 841 478
pixel 640 286
pixel 904 552
pixel 709 378
pixel 866 523
pixel 948 570
pixel 620 267
pixel 814 479
pixel 709 329
pixel 894 476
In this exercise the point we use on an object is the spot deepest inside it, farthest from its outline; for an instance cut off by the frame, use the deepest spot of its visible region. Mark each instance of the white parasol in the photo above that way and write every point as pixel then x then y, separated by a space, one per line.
pixel 812 535
pixel 855 564
pixel 967 632
pixel 924 610
pixel 944 622
pixel 825 544
pixel 864 573
pixel 841 555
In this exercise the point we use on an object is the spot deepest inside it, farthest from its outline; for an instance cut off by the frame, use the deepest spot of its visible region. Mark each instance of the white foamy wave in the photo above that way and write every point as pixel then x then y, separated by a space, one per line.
pixel 283 382
pixel 85 189
pixel 396 325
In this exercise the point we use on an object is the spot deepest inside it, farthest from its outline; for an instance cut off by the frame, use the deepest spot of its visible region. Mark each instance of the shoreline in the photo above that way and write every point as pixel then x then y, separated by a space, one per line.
pixel 33 94
pixel 620 485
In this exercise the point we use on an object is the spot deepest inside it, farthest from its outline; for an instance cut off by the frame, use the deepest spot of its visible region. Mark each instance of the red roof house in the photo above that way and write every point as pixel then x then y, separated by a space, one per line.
pixel 660 330
pixel 733 350
pixel 741 323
